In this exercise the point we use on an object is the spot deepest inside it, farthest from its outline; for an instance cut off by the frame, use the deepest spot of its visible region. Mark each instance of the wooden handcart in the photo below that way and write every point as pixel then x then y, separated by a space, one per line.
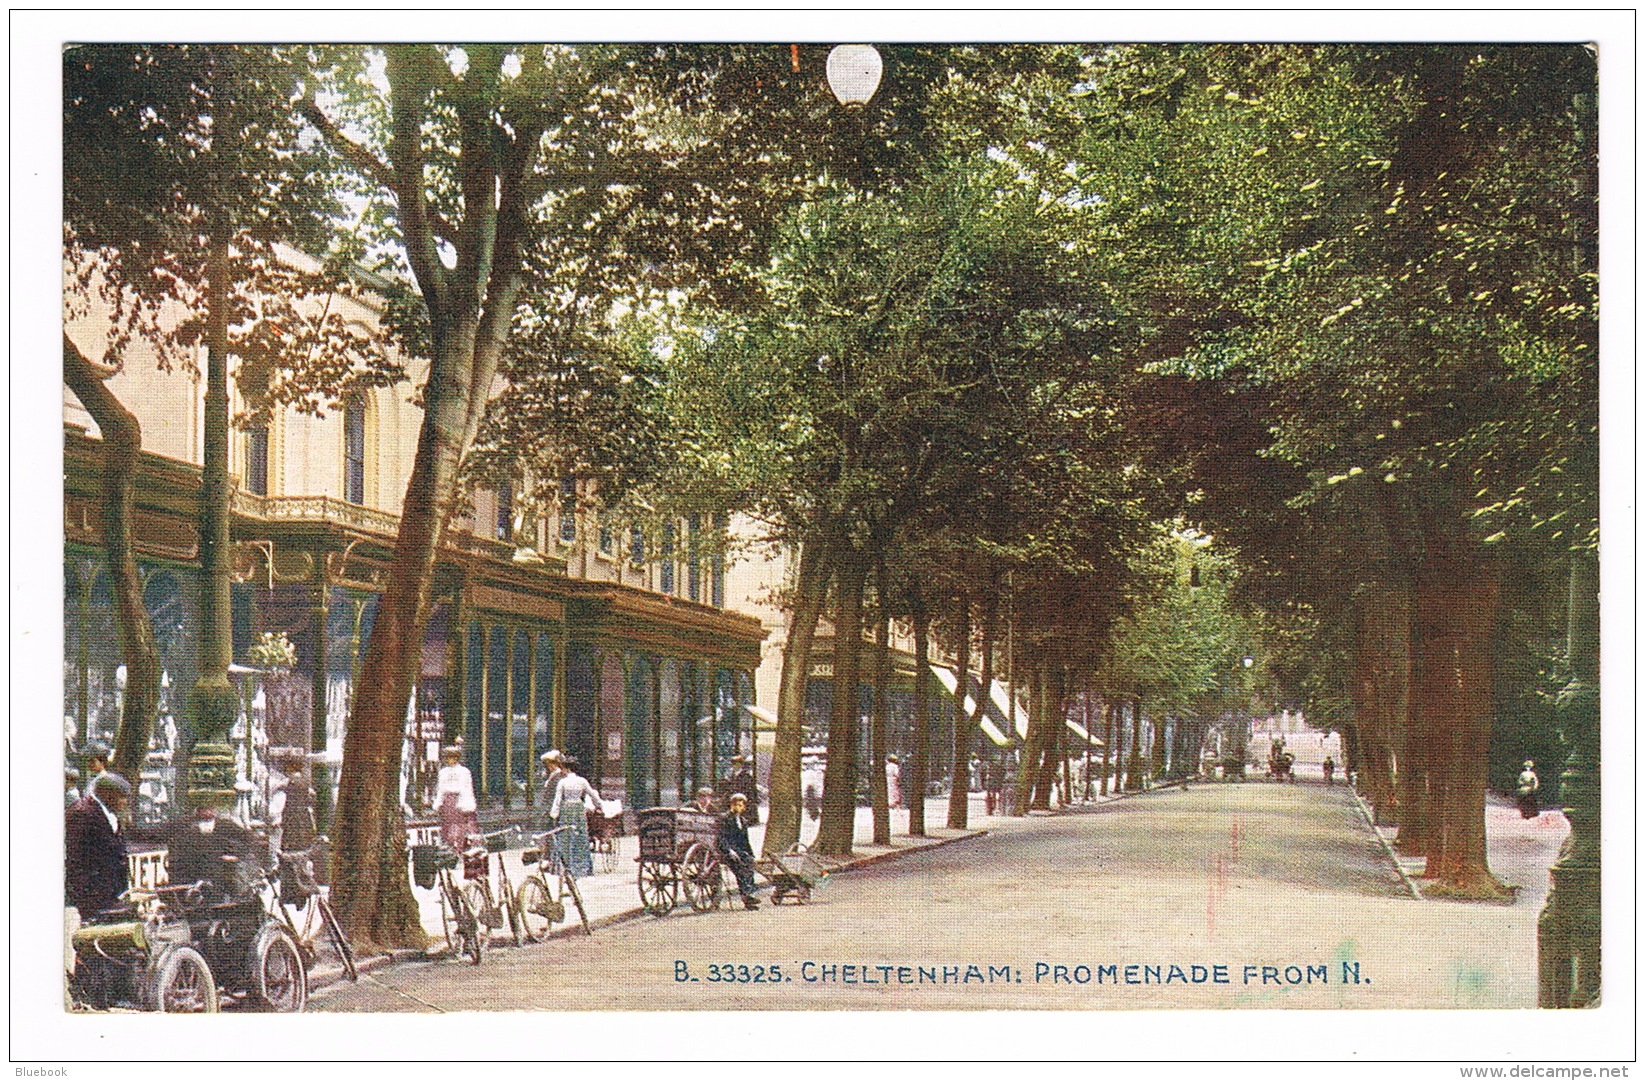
pixel 679 855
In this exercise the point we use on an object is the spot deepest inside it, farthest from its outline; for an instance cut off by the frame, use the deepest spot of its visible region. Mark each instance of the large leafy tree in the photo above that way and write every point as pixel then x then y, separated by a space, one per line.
pixel 181 181
pixel 521 191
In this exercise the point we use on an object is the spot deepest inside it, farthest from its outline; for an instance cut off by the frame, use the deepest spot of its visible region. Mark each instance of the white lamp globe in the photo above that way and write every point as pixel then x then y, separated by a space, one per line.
pixel 854 73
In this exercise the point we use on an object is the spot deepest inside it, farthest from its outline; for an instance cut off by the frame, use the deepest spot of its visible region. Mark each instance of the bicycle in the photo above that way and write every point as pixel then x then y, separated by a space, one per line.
pixel 540 905
pixel 299 902
pixel 431 867
pixel 494 907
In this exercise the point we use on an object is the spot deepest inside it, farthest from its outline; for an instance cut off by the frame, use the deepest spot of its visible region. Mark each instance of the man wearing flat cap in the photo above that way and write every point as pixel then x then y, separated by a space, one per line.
pixel 94 872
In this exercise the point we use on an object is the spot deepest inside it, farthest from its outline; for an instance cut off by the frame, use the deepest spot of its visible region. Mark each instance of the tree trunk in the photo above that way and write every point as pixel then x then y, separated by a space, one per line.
pixel 1383 681
pixel 1133 764
pixel 880 720
pixel 1049 719
pixel 122 444
pixel 213 703
pixel 1568 930
pixel 959 809
pixel 919 766
pixel 371 891
pixel 959 769
pixel 782 829
pixel 837 829
pixel 1455 615
pixel 1108 743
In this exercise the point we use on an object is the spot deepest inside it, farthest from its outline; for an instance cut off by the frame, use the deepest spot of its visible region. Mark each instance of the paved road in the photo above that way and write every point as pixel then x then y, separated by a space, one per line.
pixel 1251 895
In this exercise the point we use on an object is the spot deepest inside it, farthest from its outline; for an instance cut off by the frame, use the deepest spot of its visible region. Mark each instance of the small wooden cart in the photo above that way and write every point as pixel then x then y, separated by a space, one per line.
pixel 678 854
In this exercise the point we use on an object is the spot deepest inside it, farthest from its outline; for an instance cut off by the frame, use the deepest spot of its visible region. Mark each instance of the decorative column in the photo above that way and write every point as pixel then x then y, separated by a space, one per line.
pixel 1568 931
pixel 531 761
pixel 562 648
pixel 319 614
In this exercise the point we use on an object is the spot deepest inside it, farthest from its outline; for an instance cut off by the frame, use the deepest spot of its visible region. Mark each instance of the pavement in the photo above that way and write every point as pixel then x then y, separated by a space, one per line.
pixel 1285 887
pixel 612 896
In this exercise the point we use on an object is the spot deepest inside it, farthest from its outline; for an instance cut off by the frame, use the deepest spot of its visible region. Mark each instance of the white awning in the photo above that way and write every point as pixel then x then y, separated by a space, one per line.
pixel 1084 736
pixel 946 677
pixel 1003 703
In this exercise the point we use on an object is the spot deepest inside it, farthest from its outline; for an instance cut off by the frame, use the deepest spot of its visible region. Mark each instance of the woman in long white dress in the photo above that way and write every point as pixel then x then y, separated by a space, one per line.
pixel 454 800
pixel 572 798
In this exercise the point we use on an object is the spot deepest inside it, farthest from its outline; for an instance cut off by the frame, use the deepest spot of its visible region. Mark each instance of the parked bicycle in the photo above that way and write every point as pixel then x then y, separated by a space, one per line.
pixel 431 867
pixel 500 906
pixel 541 898
pixel 300 903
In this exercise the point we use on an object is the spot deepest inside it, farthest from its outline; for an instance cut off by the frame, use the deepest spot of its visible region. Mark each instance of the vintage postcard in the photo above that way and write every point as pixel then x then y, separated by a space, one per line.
pixel 1069 535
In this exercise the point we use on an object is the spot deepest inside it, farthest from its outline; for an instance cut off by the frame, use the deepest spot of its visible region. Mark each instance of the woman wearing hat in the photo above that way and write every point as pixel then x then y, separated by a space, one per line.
pixel 572 799
pixel 1530 787
pixel 454 800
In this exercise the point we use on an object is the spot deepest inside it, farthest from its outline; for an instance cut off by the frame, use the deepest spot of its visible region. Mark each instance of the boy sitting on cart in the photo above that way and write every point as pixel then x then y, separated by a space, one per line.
pixel 738 853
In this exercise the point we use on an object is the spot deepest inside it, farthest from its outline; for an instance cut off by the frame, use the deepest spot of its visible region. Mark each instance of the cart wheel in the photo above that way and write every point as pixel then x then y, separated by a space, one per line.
pixel 181 982
pixel 701 871
pixel 658 887
pixel 536 909
pixel 279 981
pixel 486 912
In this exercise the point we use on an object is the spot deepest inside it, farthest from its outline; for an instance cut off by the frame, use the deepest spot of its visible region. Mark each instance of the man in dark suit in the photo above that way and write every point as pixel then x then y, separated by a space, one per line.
pixel 94 873
pixel 737 852
pixel 742 780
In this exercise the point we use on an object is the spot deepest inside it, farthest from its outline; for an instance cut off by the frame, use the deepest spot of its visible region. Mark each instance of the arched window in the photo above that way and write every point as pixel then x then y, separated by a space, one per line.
pixel 505 510
pixel 354 449
pixel 257 459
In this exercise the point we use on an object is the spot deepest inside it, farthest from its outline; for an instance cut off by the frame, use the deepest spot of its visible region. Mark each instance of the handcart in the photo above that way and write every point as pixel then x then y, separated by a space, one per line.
pixel 679 854
pixel 792 874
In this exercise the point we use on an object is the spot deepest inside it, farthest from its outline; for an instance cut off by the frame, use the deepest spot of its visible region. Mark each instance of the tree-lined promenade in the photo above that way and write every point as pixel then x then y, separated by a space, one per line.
pixel 1215 379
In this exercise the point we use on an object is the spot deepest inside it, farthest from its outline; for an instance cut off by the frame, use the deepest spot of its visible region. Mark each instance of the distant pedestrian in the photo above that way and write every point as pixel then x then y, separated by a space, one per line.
pixel 993 779
pixel 97 763
pixel 1530 787
pixel 736 850
pixel 704 800
pixel 1330 769
pixel 574 797
pixel 893 782
pixel 742 780
pixel 553 774
pixel 71 786
pixel 454 800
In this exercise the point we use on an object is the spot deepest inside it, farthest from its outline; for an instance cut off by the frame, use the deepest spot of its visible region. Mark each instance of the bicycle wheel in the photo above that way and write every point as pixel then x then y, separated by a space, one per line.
pixel 339 941
pixel 535 907
pixel 279 978
pixel 472 937
pixel 569 883
pixel 490 918
pixel 181 982
pixel 508 901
